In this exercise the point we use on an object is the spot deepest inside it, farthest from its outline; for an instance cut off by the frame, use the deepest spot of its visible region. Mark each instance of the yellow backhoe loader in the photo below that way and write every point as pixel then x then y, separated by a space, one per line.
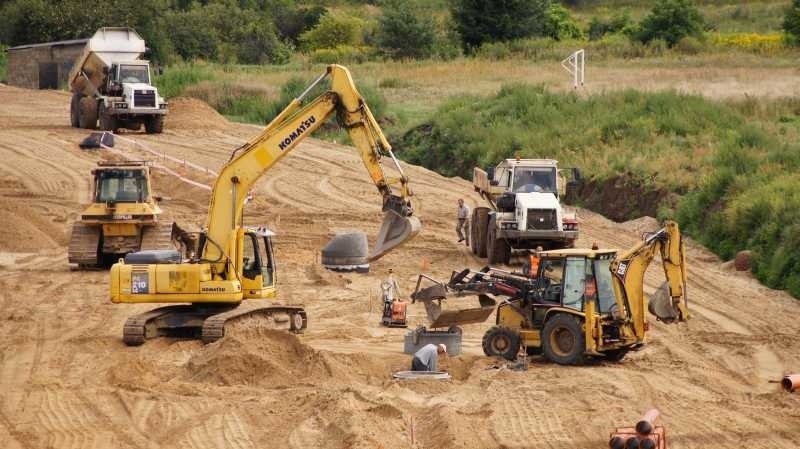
pixel 123 217
pixel 235 263
pixel 569 304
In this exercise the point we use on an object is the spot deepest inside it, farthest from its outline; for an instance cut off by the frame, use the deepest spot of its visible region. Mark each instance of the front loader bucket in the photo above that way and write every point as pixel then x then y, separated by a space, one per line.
pixel 394 231
pixel 460 314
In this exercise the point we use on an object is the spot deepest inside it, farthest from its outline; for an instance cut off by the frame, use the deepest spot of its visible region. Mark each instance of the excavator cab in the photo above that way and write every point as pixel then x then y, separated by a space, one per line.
pixel 258 264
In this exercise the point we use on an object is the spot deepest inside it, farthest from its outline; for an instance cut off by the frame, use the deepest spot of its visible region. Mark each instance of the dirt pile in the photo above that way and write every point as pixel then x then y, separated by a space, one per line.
pixel 191 113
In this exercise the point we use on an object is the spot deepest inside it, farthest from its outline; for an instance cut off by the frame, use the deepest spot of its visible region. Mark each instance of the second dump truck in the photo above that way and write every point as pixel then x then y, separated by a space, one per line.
pixel 110 84
pixel 525 210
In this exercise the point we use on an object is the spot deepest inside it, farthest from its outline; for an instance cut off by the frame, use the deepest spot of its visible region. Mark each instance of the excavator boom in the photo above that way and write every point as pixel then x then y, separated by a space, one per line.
pixel 281 136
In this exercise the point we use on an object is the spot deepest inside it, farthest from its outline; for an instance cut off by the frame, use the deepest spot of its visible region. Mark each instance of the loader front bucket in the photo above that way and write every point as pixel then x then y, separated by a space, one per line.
pixel 395 230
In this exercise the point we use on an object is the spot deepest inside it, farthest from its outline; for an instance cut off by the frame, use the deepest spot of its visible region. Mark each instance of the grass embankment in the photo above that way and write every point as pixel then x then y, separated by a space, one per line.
pixel 3 63
pixel 735 164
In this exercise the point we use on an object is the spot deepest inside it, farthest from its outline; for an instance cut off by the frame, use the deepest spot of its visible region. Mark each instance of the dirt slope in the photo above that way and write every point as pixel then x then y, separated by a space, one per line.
pixel 68 382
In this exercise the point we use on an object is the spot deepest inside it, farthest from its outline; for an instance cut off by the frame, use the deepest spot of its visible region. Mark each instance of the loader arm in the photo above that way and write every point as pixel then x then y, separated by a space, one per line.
pixel 278 139
pixel 628 271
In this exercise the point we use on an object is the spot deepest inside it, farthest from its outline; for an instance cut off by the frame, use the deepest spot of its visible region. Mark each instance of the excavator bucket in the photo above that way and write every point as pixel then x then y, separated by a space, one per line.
pixel 349 252
pixel 394 231
pixel 662 306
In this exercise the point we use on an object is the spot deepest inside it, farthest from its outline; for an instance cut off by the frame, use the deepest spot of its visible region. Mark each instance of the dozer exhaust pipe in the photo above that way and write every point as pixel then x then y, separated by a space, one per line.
pixel 350 252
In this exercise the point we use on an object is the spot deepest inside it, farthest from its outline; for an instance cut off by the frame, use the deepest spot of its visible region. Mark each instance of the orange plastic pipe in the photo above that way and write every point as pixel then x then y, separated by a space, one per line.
pixel 791 382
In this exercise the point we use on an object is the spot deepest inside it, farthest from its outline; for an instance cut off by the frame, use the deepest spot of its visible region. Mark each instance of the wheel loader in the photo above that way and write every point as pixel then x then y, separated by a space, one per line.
pixel 124 217
pixel 235 263
pixel 570 304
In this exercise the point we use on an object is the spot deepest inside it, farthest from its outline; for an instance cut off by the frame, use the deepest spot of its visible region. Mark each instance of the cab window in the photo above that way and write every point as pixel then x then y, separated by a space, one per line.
pixel 266 254
pixel 550 278
pixel 574 282
pixel 250 261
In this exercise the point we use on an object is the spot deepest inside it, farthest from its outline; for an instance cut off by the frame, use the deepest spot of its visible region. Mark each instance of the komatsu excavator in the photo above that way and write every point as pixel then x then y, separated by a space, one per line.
pixel 569 304
pixel 234 263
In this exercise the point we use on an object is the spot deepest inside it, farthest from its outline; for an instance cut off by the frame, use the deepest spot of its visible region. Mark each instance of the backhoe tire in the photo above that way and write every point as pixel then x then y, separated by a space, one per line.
pixel 563 340
pixel 480 221
pixel 74 110
pixel 107 121
pixel 615 355
pixel 501 341
pixel 87 113
pixel 154 124
pixel 497 248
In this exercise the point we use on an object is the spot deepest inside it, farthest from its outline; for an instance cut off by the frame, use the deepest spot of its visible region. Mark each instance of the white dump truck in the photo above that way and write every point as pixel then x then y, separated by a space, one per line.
pixel 525 210
pixel 111 84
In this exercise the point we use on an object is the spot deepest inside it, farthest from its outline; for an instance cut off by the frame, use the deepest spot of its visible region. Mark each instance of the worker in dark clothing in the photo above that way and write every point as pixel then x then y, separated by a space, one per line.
pixel 425 359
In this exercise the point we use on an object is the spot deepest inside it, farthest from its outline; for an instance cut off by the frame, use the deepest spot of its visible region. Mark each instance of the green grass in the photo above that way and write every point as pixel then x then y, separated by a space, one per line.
pixel 3 62
pixel 176 79
pixel 735 164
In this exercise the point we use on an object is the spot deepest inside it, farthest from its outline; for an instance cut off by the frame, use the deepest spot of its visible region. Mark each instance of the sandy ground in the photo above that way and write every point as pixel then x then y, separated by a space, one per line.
pixel 67 381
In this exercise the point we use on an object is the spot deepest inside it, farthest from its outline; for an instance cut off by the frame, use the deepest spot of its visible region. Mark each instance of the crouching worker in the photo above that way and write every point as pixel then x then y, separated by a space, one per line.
pixel 425 359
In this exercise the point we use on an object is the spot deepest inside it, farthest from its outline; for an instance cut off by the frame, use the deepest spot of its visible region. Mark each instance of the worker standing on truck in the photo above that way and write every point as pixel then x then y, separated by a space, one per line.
pixel 425 359
pixel 463 214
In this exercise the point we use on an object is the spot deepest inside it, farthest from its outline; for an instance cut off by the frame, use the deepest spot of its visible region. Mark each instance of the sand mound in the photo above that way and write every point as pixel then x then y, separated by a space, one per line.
pixel 191 113
pixel 641 225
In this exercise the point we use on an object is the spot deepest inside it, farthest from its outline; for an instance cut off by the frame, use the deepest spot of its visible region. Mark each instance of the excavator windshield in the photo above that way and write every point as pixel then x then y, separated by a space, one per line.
pixel 121 186
pixel 530 179
pixel 131 73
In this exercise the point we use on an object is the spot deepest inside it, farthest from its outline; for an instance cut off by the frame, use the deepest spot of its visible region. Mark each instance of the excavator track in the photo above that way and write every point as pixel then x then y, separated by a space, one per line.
pixel 205 321
pixel 160 236
pixel 293 316
pixel 83 245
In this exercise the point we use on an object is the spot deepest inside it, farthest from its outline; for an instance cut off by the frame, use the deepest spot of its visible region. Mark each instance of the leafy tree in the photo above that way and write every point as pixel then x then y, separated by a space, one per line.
pixel 479 21
pixel 405 31
pixel 560 25
pixel 791 22
pixel 672 20
pixel 192 34
pixel 258 44
pixel 332 31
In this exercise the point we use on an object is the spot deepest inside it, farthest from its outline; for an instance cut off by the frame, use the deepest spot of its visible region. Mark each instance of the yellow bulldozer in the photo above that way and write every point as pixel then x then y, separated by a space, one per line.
pixel 124 217
pixel 569 304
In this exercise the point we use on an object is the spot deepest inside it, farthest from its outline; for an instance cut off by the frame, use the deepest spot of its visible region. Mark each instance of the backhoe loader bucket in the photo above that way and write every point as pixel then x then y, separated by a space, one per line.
pixel 459 311
pixel 662 306
pixel 394 231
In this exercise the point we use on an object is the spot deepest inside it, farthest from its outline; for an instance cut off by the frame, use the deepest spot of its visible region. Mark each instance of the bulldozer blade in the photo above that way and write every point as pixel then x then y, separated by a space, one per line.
pixel 662 306
pixel 394 231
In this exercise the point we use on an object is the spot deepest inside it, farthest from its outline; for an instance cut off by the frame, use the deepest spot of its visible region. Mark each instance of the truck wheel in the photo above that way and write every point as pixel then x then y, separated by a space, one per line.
pixel 107 121
pixel 154 125
pixel 87 113
pixel 481 223
pixel 501 341
pixel 563 340
pixel 497 248
pixel 74 110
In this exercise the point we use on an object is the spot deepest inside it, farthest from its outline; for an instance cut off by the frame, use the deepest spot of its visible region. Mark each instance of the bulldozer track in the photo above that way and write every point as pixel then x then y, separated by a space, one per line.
pixel 160 236
pixel 83 245
pixel 135 330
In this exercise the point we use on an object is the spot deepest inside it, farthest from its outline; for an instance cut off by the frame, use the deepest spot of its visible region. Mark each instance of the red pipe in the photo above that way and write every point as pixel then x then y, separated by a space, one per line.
pixel 791 382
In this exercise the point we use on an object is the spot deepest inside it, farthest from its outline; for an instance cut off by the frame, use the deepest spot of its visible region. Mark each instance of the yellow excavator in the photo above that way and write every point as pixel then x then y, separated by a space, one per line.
pixel 569 304
pixel 234 263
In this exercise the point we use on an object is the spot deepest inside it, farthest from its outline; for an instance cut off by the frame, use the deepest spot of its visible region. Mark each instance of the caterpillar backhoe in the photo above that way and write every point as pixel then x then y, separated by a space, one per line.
pixel 569 304
pixel 234 263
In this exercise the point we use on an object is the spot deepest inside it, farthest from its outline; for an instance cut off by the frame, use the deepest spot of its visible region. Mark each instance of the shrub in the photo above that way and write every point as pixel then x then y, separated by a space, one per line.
pixel 560 25
pixel 791 22
pixel 671 20
pixel 342 54
pixel 192 34
pixel 617 23
pixel 754 42
pixel 3 63
pixel 404 31
pixel 258 44
pixel 333 31
pixel 480 21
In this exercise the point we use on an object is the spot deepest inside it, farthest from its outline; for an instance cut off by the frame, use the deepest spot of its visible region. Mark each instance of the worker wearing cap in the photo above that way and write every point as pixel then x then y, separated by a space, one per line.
pixel 425 359
pixel 463 216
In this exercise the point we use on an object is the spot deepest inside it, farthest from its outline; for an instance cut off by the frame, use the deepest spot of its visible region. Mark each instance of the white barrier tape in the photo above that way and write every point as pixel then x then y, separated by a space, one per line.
pixel 165 156
pixel 161 167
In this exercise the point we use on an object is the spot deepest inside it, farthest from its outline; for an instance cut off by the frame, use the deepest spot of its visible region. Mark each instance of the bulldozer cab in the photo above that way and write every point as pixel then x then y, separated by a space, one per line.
pixel 570 277
pixel 258 263
pixel 122 184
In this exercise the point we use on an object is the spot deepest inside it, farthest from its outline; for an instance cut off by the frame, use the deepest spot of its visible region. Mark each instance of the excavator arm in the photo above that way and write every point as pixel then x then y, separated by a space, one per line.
pixel 669 304
pixel 249 162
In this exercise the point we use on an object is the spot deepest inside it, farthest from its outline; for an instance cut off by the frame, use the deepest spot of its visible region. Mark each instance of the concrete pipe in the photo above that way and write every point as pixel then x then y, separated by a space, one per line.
pixel 632 443
pixel 647 444
pixel 645 426
pixel 616 442
pixel 791 382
